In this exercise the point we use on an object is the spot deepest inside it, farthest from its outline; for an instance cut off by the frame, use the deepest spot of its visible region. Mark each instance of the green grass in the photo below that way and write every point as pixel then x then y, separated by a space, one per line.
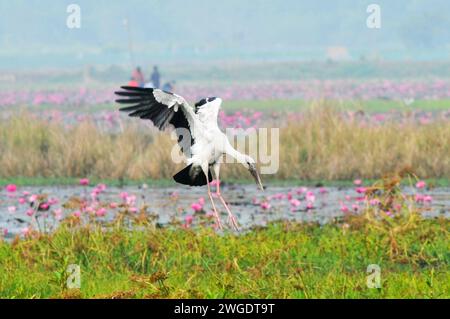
pixel 74 181
pixel 371 106
pixel 285 260
pixel 288 105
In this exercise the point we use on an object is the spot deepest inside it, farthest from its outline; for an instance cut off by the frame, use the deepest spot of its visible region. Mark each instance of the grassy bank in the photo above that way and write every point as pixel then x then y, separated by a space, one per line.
pixel 282 261
pixel 321 146
pixel 288 105
pixel 74 181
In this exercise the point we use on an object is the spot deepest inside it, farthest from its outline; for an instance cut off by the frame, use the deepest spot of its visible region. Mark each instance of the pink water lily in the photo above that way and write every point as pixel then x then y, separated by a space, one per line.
pixel 310 197
pixel 344 208
pixel 76 214
pixel 295 202
pixel 11 188
pixel 421 184
pixel 265 205
pixel 100 212
pixel 133 209
pixel 84 181
pixel 197 207
pixel 58 213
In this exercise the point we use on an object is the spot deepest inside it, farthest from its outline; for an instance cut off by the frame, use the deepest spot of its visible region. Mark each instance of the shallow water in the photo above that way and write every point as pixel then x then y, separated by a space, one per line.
pixel 175 202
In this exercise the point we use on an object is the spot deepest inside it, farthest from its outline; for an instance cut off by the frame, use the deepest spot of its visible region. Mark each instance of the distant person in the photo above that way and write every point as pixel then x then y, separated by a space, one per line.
pixel 155 77
pixel 138 76
pixel 133 83
pixel 168 86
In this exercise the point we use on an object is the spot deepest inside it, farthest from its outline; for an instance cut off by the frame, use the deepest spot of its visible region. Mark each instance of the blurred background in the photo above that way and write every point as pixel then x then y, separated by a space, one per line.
pixel 377 69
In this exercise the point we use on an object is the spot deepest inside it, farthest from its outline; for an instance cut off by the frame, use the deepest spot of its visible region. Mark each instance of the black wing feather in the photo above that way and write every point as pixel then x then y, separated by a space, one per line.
pixel 145 106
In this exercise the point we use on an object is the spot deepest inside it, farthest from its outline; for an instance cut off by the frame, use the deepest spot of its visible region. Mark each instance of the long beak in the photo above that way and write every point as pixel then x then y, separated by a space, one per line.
pixel 252 169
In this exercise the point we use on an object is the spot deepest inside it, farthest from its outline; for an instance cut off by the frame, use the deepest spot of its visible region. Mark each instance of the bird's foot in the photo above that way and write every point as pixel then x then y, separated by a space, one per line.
pixel 233 221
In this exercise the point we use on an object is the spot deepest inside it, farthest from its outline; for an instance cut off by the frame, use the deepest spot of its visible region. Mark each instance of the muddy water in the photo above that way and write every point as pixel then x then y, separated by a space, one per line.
pixel 244 200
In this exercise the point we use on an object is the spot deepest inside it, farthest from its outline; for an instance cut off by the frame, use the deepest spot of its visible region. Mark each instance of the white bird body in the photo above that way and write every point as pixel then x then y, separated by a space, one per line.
pixel 206 144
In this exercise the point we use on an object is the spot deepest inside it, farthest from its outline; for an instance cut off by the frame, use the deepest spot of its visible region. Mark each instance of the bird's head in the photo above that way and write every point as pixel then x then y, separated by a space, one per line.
pixel 207 103
pixel 250 164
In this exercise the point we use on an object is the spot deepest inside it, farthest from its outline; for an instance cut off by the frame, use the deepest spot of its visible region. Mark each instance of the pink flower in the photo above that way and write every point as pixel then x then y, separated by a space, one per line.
pixel 427 198
pixel 309 205
pixel 360 190
pixel 53 201
pixel 30 212
pixel 11 188
pixel 89 210
pixel 133 209
pixel 113 205
pixel 123 195
pixel 44 206
pixel 419 198
pixel 101 188
pixel 323 190
pixel 374 202
pixel 310 197
pixel 357 182
pixel 12 209
pixel 301 190
pixel 22 200
pixel 58 213
pixel 25 231
pixel 84 181
pixel 213 182
pixel 201 201
pixel 32 198
pixel 265 205
pixel 100 212
pixel 130 200
pixel 355 207
pixel 344 208
pixel 197 207
pixel 189 219
pixel 76 214
pixel 295 202
pixel 421 184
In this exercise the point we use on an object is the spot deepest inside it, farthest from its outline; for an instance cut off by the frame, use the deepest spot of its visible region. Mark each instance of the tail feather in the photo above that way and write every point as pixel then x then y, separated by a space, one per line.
pixel 192 175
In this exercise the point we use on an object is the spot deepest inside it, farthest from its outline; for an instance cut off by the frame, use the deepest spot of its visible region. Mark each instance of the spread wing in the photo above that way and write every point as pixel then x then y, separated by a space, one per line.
pixel 161 108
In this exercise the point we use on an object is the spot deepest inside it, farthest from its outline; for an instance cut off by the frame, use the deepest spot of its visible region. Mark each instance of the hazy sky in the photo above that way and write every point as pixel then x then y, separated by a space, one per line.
pixel 33 31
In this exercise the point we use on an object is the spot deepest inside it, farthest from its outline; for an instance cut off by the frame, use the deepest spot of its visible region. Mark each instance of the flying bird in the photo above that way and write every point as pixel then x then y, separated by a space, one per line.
pixel 199 136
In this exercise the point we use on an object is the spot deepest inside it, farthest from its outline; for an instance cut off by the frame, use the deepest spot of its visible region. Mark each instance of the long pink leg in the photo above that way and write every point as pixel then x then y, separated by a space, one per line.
pixel 231 217
pixel 216 214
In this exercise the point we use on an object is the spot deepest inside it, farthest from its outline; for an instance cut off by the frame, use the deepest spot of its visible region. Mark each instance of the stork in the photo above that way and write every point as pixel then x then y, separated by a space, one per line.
pixel 203 148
